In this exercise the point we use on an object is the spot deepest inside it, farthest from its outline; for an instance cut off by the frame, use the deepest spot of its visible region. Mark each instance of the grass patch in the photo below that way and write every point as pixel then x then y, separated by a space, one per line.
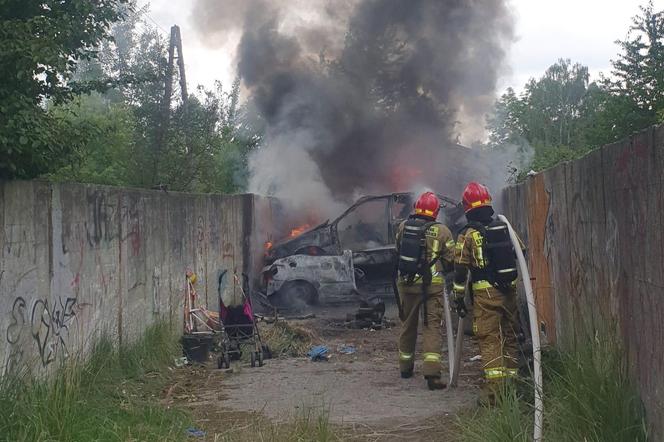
pixel 286 340
pixel 587 397
pixel 112 396
pixel 503 423
pixel 311 424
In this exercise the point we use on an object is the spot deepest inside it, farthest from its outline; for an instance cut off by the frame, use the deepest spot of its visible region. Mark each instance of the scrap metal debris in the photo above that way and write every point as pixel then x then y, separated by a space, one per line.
pixel 370 314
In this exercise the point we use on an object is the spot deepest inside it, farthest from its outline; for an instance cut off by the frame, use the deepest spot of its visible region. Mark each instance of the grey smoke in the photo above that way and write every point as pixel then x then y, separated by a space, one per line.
pixel 365 95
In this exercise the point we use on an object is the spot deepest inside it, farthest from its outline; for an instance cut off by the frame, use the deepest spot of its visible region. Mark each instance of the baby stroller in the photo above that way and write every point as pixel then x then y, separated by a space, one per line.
pixel 238 327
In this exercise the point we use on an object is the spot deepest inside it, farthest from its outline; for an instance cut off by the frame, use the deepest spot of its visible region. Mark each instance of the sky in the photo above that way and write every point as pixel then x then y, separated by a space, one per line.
pixel 583 30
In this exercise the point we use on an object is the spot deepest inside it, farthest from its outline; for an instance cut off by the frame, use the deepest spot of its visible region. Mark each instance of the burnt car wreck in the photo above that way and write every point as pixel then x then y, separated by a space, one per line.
pixel 348 259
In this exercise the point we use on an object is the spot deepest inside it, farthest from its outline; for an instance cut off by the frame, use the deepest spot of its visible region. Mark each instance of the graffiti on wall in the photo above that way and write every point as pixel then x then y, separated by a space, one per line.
pixel 46 324
pixel 106 216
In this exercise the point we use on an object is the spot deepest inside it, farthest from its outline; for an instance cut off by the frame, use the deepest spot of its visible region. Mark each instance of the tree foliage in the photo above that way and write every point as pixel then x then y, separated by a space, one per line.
pixel 41 42
pixel 207 140
pixel 562 116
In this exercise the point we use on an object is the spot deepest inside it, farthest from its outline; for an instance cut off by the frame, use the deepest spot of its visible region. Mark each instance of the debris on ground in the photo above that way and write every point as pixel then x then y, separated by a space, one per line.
pixel 370 315
pixel 272 319
pixel 346 349
pixel 319 353
pixel 287 340
pixel 195 432
pixel 181 362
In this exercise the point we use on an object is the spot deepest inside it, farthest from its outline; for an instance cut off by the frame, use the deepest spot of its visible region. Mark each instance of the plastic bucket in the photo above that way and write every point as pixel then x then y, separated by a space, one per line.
pixel 197 347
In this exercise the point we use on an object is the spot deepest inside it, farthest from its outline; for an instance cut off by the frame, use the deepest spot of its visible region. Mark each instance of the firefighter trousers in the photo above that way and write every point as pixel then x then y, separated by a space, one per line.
pixel 495 324
pixel 432 339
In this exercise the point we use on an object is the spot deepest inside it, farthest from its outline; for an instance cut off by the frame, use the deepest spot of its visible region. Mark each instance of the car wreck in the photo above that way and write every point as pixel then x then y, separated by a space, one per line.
pixel 348 259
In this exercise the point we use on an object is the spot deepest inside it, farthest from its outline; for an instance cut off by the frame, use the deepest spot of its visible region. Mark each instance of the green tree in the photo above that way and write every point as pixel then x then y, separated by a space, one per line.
pixel 639 70
pixel 633 97
pixel 206 147
pixel 505 125
pixel 553 104
pixel 107 154
pixel 41 43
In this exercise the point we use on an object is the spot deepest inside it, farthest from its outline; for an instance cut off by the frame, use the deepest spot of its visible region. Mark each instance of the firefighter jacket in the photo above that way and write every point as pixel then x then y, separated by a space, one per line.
pixel 439 245
pixel 469 254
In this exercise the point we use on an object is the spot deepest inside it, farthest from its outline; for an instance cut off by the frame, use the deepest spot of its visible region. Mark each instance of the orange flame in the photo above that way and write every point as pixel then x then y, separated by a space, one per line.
pixel 297 231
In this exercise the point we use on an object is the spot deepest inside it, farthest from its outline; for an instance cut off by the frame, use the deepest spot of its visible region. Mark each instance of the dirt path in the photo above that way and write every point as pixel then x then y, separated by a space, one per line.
pixel 361 392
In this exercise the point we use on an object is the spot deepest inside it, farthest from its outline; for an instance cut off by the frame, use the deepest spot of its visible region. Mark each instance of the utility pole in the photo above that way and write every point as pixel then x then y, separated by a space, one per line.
pixel 175 42
pixel 183 77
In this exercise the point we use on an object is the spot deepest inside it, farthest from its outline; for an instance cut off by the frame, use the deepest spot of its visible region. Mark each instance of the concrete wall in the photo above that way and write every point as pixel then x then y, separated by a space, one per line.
pixel 596 249
pixel 78 260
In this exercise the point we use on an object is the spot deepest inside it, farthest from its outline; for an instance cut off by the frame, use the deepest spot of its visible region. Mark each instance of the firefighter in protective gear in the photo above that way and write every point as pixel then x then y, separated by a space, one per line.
pixel 423 290
pixel 495 321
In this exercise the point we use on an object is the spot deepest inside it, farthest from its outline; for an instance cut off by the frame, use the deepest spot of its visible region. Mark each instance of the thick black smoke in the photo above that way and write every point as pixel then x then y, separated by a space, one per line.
pixel 370 96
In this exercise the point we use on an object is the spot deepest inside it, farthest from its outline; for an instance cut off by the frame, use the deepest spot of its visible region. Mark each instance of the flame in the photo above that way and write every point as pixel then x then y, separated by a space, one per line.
pixel 404 176
pixel 297 231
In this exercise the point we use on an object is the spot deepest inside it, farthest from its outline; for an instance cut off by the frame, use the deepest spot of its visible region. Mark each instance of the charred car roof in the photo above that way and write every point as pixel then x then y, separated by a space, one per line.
pixel 322 238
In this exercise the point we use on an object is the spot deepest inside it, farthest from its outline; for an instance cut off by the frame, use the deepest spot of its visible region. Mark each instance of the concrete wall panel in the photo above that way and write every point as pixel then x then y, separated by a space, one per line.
pixel 78 261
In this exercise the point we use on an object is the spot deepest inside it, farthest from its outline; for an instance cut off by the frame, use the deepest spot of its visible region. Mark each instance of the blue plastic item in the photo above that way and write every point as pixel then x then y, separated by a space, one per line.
pixel 195 432
pixel 318 353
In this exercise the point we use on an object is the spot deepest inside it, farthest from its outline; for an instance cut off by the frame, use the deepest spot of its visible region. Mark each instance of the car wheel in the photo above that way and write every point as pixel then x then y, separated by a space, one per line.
pixel 296 295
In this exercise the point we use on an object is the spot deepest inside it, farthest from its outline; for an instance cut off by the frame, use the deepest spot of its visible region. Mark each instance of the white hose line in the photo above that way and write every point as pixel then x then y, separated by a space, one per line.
pixel 534 332
pixel 454 345
pixel 458 351
pixel 450 337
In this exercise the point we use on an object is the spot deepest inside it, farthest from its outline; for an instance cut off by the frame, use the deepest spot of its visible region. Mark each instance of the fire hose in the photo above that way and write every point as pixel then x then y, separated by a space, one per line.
pixel 455 348
pixel 534 332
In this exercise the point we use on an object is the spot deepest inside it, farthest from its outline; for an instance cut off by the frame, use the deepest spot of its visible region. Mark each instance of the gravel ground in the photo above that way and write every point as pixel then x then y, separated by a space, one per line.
pixel 361 391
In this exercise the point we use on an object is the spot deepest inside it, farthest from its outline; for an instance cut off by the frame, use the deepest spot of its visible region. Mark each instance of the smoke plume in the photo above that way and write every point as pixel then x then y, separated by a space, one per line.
pixel 363 96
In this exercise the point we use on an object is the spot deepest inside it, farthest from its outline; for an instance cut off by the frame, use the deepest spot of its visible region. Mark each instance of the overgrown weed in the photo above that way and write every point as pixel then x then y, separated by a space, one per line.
pixel 108 397
pixel 587 397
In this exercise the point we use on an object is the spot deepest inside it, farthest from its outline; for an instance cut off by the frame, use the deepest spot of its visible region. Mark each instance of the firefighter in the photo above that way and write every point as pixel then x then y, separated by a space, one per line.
pixel 491 263
pixel 425 250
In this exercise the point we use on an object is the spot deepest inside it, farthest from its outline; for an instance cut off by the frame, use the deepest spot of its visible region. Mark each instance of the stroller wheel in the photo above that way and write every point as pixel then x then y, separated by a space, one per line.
pixel 260 358
pixel 253 359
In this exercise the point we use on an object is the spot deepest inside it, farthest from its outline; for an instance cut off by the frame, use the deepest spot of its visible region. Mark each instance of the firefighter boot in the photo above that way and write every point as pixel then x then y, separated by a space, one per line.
pixel 408 337
pixel 434 383
pixel 407 373
pixel 488 395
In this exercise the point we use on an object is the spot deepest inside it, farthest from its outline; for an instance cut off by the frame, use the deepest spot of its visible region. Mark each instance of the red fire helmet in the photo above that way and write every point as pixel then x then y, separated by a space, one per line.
pixel 475 195
pixel 427 205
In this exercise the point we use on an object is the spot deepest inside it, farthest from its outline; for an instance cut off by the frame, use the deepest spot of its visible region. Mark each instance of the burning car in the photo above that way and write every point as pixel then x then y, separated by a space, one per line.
pixel 353 255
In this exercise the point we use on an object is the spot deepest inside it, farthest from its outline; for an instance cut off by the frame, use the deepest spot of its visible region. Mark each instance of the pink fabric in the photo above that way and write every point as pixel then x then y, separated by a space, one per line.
pixel 247 310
